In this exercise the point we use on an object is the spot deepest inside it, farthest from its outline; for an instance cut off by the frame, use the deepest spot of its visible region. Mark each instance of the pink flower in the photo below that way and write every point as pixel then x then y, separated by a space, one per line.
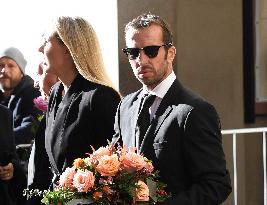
pixel 66 178
pixel 142 192
pixel 84 181
pixel 40 103
pixel 108 165
pixel 132 161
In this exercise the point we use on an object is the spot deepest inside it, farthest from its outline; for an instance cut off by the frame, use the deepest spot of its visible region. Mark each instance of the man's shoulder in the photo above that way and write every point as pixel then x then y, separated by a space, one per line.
pixel 26 87
pixel 131 96
pixel 201 105
pixel 4 109
pixel 187 96
pixel 89 88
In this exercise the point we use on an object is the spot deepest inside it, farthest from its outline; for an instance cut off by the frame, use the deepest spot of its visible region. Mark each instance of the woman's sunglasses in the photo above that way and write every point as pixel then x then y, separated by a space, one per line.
pixel 150 51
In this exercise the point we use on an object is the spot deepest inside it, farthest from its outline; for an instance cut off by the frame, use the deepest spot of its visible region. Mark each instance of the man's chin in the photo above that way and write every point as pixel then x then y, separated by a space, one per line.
pixel 5 87
pixel 149 83
pixel 144 81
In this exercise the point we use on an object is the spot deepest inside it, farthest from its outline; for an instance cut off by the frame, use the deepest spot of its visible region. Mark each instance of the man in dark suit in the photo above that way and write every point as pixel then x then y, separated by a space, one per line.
pixel 183 138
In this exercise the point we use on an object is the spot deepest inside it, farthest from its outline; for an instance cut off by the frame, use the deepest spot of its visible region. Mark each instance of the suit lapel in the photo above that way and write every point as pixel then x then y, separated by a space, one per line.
pixel 154 127
pixel 163 111
pixel 135 118
pixel 56 142
pixel 48 132
pixel 128 120
pixel 148 135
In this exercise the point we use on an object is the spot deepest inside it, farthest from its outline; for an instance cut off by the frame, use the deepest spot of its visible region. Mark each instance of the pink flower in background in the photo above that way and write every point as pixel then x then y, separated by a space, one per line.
pixel 142 192
pixel 40 103
pixel 67 177
pixel 83 181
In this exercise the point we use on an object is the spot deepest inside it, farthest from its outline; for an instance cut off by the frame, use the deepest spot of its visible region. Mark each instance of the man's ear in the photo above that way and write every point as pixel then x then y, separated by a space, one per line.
pixel 171 54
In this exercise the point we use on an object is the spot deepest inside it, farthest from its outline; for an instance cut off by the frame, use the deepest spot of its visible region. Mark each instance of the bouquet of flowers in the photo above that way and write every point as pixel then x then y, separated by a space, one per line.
pixel 109 176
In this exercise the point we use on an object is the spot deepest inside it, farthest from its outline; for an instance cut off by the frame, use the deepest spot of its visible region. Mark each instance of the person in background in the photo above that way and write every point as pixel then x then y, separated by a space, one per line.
pixel 12 177
pixel 183 136
pixel 38 168
pixel 82 105
pixel 45 82
pixel 17 93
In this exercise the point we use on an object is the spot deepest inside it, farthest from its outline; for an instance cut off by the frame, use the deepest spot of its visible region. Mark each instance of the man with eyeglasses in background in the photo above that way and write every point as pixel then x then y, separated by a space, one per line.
pixel 182 136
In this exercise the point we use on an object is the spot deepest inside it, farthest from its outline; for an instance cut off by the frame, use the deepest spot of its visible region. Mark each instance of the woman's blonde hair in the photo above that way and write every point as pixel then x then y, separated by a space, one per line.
pixel 82 42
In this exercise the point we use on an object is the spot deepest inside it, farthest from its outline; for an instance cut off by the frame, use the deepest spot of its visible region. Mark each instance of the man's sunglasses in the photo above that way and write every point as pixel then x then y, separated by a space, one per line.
pixel 150 51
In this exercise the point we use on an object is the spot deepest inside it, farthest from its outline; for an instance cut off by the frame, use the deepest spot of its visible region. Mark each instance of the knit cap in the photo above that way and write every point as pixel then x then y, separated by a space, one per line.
pixel 16 55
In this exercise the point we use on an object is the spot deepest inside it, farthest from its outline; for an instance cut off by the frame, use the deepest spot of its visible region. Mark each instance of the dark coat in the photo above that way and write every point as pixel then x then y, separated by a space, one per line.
pixel 40 161
pixel 184 143
pixel 10 190
pixel 39 173
pixel 24 113
pixel 84 117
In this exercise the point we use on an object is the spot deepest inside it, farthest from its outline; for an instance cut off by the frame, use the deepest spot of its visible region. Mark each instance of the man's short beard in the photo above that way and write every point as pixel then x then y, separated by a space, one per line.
pixel 5 89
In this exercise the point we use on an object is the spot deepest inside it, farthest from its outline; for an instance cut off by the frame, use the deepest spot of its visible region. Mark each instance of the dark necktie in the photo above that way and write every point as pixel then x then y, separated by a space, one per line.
pixel 143 121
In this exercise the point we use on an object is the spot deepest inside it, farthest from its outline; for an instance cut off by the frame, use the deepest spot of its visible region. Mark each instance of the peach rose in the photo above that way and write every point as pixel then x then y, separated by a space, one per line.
pixel 83 181
pixel 102 151
pixel 142 192
pixel 78 163
pixel 66 178
pixel 132 161
pixel 108 165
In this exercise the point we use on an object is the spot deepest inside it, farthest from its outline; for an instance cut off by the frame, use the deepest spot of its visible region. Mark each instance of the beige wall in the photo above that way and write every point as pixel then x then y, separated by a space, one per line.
pixel 262 50
pixel 210 62
pixel 208 38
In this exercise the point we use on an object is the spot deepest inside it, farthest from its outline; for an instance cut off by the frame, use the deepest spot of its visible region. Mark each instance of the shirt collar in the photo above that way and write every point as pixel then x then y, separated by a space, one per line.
pixel 161 89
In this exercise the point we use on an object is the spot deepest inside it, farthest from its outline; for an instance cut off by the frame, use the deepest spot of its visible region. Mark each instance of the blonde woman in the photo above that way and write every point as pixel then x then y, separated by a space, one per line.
pixel 83 103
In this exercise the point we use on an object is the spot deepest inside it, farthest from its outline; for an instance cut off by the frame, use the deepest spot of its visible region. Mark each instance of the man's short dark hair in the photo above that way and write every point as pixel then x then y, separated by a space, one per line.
pixel 146 20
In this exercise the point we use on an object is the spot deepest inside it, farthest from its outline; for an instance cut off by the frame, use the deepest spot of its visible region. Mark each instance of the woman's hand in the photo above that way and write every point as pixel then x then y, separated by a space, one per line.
pixel 6 172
